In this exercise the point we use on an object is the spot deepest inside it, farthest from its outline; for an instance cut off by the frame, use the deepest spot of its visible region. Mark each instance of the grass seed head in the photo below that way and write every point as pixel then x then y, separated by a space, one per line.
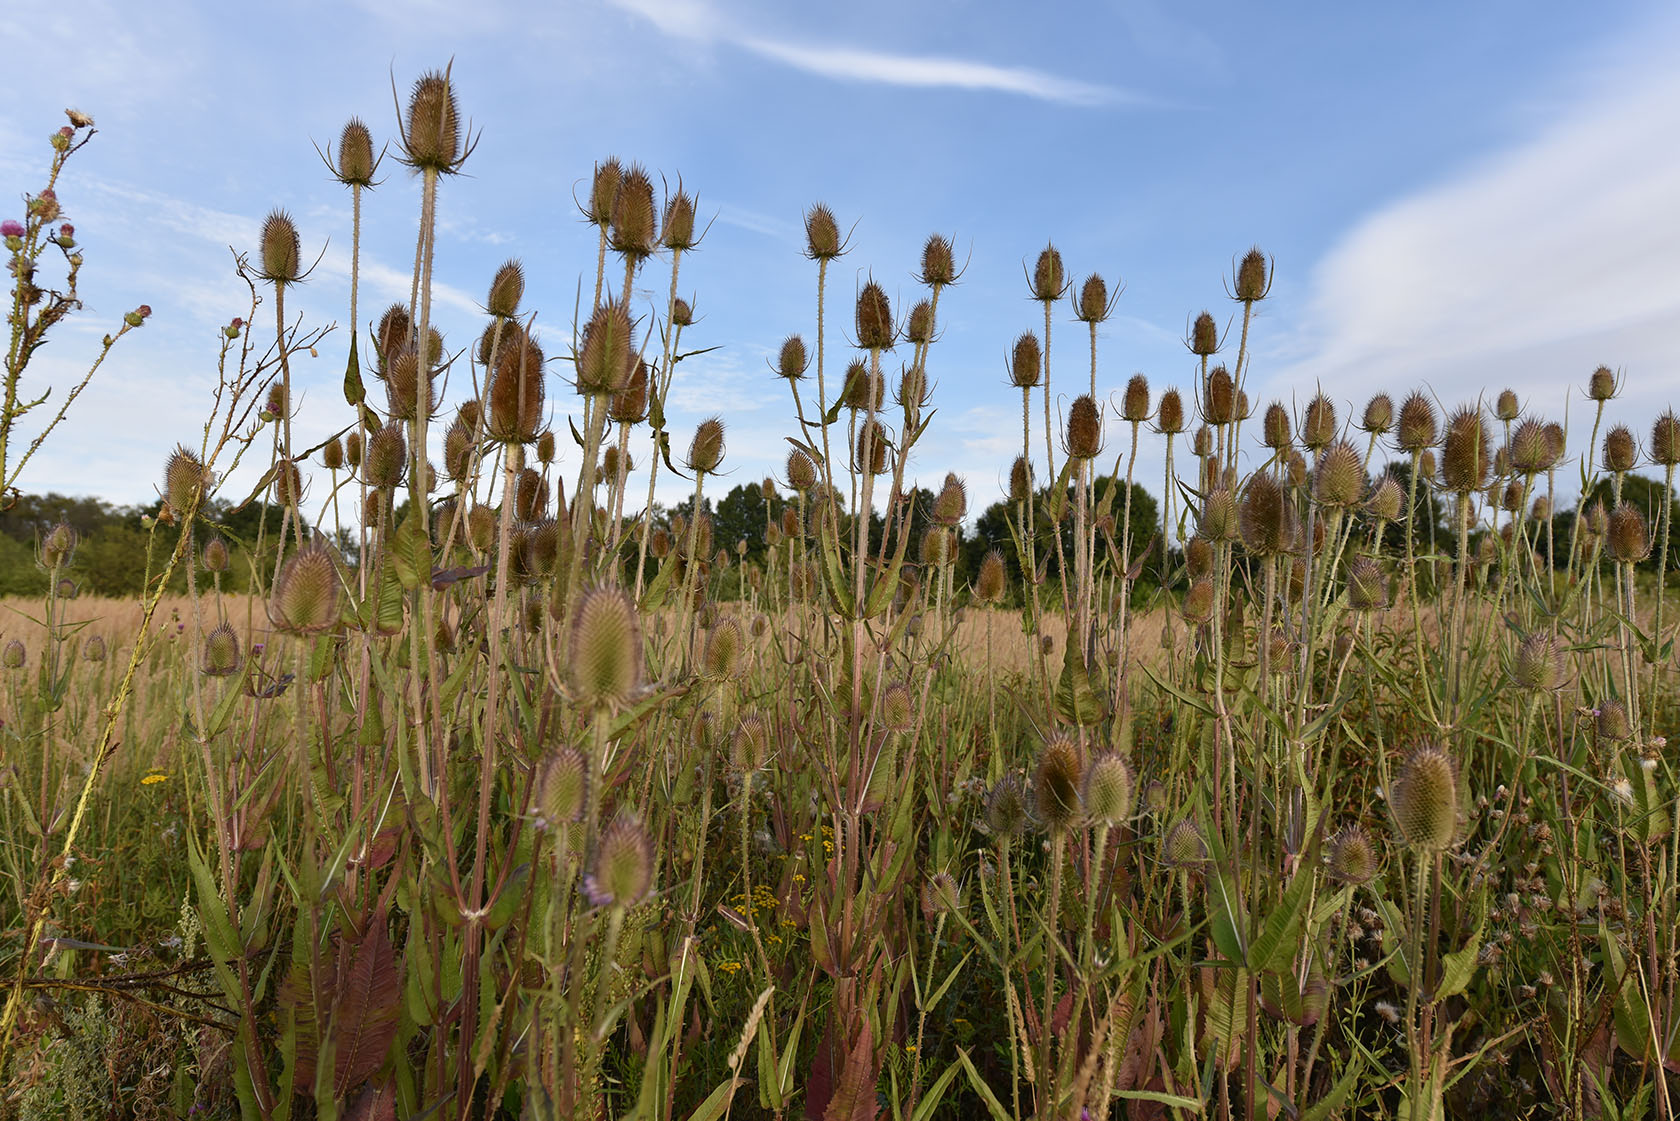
pixel 623 872
pixel 1134 406
pixel 1204 335
pixel 507 288
pixel 281 254
pixel 1424 799
pixel 1620 450
pixel 1252 282
pixel 1601 385
pixel 221 655
pixel 604 654
pixel 1056 784
pixel 432 140
pixel 307 596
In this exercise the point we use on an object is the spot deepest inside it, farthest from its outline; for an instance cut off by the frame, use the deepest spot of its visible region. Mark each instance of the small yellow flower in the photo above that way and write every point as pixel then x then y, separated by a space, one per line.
pixel 153 778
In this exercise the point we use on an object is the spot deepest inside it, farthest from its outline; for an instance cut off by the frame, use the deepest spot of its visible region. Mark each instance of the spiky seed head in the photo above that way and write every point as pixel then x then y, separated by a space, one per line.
pixel 1353 857
pixel 306 594
pixel 792 361
pixel 1601 386
pixel 1219 397
pixel 481 528
pixel 1386 500
pixel 1110 792
pixel 1084 428
pixel 1197 608
pixel 939 895
pixel 870 454
pixel 749 746
pixel 221 655
pixel 725 647
pixel 355 155
pixel 1093 300
pixel 530 495
pixel 1542 508
pixel 185 480
pixel 402 386
pixel 623 872
pixel 1611 722
pixel 1134 406
pixel 1367 587
pixel 1275 426
pixel 801 472
pixel 1424 800
pixel 1417 423
pixel 1426 464
pixel 1295 469
pixel 1026 361
pixel 1251 276
pixel 1020 480
pixel 1184 847
pixel 1466 453
pixel 1204 335
pixel 634 232
pixel 605 360
pixel 659 543
pixel 1056 784
pixel 387 455
pixel 1169 418
pixel 1339 476
pixel 1318 426
pixel 630 404
pixel 1627 538
pixel 1506 406
pixel 562 788
pixel 281 253
pixel 1006 808
pixel 1049 280
pixel 215 555
pixel 542 547
pixel 938 548
pixel 353 448
pixel 860 390
pixel 1379 415
pixel 1531 449
pixel 1511 500
pixel 950 505
pixel 1665 440
pixel 678 233
pixel 1244 408
pixel 603 191
pixel 918 328
pixel 396 332
pixel 332 454
pixel 939 265
pixel 1539 665
pixel 912 389
pixel 705 451
pixel 605 653
pixel 1218 520
pixel 1596 518
pixel 58 546
pixel 457 451
pixel 1202 443
pixel 1268 518
pixel 1620 450
pixel 989 582
pixel 433 135
pixel 898 708
pixel 507 288
pixel 822 234
pixel 288 483
pixel 516 392
pixel 94 650
pixel 873 320
pixel 13 654
pixel 1198 559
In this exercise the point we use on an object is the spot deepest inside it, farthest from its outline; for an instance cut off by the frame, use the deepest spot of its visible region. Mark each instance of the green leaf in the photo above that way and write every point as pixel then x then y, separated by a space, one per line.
pixel 1226 917
pixel 1275 943
pixel 993 1106
pixel 411 550
pixel 1076 700
pixel 353 390
pixel 1331 1104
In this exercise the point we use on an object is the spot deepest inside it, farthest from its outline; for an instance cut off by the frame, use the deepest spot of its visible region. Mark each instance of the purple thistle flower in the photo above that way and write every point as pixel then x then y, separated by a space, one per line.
pixel 11 227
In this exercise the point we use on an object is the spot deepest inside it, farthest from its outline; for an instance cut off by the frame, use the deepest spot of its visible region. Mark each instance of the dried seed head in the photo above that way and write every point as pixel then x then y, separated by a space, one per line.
pixel 13 654
pixel 1601 386
pixel 1251 276
pixel 387 456
pixel 1197 608
pixel 507 288
pixel 1626 537
pixel 530 495
pixel 432 140
pixel 1084 428
pixel 1219 397
pixel 1367 588
pixel 1612 722
pixel 950 505
pixel 1511 500
pixel 355 155
pixel 1417 424
pixel 1665 440
pixel 604 663
pixel 1338 476
pixel 989 583
pixel 1169 419
pixel 1006 808
pixel 705 451
pixel 1296 468
pixel 1531 448
pixel 395 333
pixel 1385 502
pixel 94 651
pixel 918 328
pixel 1056 784
pixel 221 656
pixel 898 708
pixel 332 454
pixel 633 232
pixel 1110 793
pixel 1183 847
pixel 1218 520
pixel 659 543
pixel 1542 508
pixel 623 872
pixel 1268 518
pixel 1466 455
pixel 1506 406
pixel 281 255
pixel 870 453
pixel 1202 444
pixel 540 549
pixel 725 648
pixel 1026 361
pixel 607 356
pixel 1379 415
pixel 822 234
pixel 1353 858
pixel 874 319
pixel 1539 665
pixel 912 391
pixel 562 788
pixel 861 390
pixel 801 472
pixel 1048 279
pixel 938 262
pixel 516 392
pixel 185 480
pixel 938 547
pixel 792 362
pixel 603 191
pixel 457 451
pixel 1198 560
pixel 402 386
pixel 1424 800
pixel 58 546
pixel 749 747
pixel 682 313
pixel 1318 426
pixel 940 895
pixel 1020 480
pixel 306 593
pixel 1135 405
pixel 353 447
pixel 1093 300
pixel 678 223
pixel 288 484
pixel 1275 427
pixel 1426 464
pixel 215 555
pixel 481 528
pixel 1620 450
pixel 1204 335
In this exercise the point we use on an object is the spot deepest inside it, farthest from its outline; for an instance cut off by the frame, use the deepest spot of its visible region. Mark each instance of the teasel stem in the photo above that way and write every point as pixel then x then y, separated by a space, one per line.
pixel 822 393
pixel 1048 1069
pixel 1029 569
pixel 1416 1092
pixel 691 573
pixel 1411 575
pixel 1237 376
pixel 583 502
pixel 1122 664
pixel 292 509
pixel 673 334
pixel 1461 594
pixel 1659 663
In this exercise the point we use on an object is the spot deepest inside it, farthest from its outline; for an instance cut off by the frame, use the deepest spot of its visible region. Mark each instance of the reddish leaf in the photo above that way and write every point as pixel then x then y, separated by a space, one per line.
pixel 365 1017
pixel 854 1097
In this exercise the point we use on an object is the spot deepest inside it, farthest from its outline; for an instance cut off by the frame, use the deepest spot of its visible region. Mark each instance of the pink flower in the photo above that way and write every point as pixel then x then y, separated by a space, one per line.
pixel 11 227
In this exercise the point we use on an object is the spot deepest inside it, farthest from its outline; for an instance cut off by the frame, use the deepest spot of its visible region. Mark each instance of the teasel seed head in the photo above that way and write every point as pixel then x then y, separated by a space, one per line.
pixel 1020 480
pixel 1612 722
pixel 1511 499
pixel 1219 397
pixel 950 505
pixel 860 390
pixel 13 654
pixel 1134 407
pixel 1202 443
pixel 1601 386
pixel 288 483
pixel 1093 300
pixel 306 594
pixel 94 650
pixel 939 896
pixel 1424 799
pixel 603 191
pixel 1620 450
pixel 989 582
pixel 1353 856
pixel 1026 361
pixel 58 546
pixel 919 326
pixel 1110 791
pixel 749 747
pixel 1339 477
pixel 507 288
pixel 332 454
pixel 1252 282
pixel 221 655
pixel 633 232
pixel 356 161
pixel 938 548
pixel 1367 587
pixel 1084 428
pixel 898 708
pixel 1295 470
pixel 870 454
pixel 1056 784
pixel 1268 519
pixel 1466 455
pixel 1542 508
pixel 562 788
pixel 659 543
pixel 822 234
pixel 1198 558
pixel 939 266
pixel 1049 281
pixel 353 447
pixel 432 140
pixel 1204 335
pixel 1379 415
pixel 281 254
pixel 1506 406
pixel 1665 440
pixel 607 356
pixel 1531 448
pixel 705 451
pixel 678 232
pixel 1006 808
pixel 481 528
pixel 530 495
pixel 792 361
pixel 1169 417
pixel 623 871
pixel 516 391
pixel 215 555
pixel 185 480
pixel 387 456
pixel 1386 500
pixel 1539 665
pixel 725 648
pixel 1275 426
pixel 1183 848
pixel 1218 520
pixel 801 472
pixel 1318 426
pixel 874 321
pixel 1197 608
pixel 604 656
pixel 395 333
pixel 1417 428
pixel 1627 538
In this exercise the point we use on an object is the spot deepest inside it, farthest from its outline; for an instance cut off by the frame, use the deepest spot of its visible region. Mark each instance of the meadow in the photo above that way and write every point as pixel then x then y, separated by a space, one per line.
pixel 446 775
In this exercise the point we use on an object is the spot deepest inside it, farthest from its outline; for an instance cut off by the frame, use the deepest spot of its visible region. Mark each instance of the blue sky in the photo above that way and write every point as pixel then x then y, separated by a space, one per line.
pixel 1459 197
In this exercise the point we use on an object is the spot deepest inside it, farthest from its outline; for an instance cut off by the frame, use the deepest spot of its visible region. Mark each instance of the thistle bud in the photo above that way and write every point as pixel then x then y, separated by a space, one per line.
pixel 1318 426
pixel 1466 455
pixel 605 359
pixel 633 231
pixel 432 140
pixel 1219 401
pixel 1084 428
pixel 306 593
pixel 989 582
pixel 623 872
pixel 1620 451
pixel 1626 538
pixel 705 451
pixel 387 455
pixel 604 655
pixel 874 321
pixel 221 656
pixel 1367 588
pixel 1056 785
pixel 1379 415
pixel 1204 335
pixel 1601 386
pixel 1338 476
pixel 280 252
pixel 1093 300
pixel 1048 281
pixel 1353 858
pixel 1539 664
pixel 507 288
pixel 1424 800
pixel 1110 793
pixel 822 234
pixel 1135 406
pixel 1252 283
pixel 792 362
pixel 355 155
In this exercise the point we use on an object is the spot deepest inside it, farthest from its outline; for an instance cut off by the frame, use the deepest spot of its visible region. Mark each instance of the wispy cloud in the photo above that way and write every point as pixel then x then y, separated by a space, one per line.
pixel 697 20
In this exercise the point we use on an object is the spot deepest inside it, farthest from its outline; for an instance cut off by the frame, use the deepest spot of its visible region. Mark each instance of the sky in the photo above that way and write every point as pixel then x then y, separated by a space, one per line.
pixel 1457 197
